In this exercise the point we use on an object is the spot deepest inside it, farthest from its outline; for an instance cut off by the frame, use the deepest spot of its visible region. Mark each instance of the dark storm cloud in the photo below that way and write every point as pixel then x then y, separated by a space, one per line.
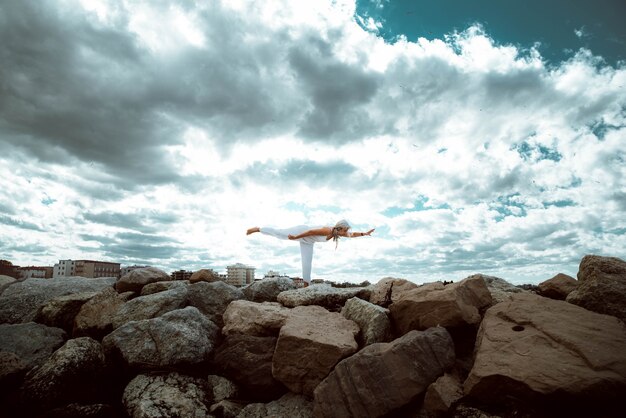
pixel 135 247
pixel 144 222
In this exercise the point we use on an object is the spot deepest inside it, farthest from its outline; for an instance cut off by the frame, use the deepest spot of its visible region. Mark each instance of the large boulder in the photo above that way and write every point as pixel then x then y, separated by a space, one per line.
pixel 289 405
pixel 213 298
pixel 20 302
pixel 558 287
pixel 373 320
pixel 383 377
pixel 5 281
pixel 331 298
pixel 12 370
pixel 95 318
pixel 150 306
pixel 221 388
pixel 72 374
pixel 442 394
pixel 157 287
pixel 204 275
pixel 247 360
pixel 535 349
pixel 183 338
pixel 61 311
pixel 32 343
pixel 601 286
pixel 135 280
pixel 455 305
pixel 500 289
pixel 253 318
pixel 309 345
pixel 386 291
pixel 267 290
pixel 172 395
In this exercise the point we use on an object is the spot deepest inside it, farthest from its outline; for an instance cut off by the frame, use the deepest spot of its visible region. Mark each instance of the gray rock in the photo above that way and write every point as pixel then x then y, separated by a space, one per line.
pixel 75 410
pixel 601 286
pixel 373 320
pixel 71 374
pixel 157 287
pixel 150 306
pixel 61 311
pixel 331 298
pixel 12 370
pixel 166 396
pixel 500 289
pixel 222 388
pixel 95 318
pixel 32 343
pixel 226 409
pixel 385 376
pixel 247 360
pixel 20 302
pixel 5 281
pixel 289 405
pixel 135 280
pixel 177 339
pixel 213 298
pixel 267 290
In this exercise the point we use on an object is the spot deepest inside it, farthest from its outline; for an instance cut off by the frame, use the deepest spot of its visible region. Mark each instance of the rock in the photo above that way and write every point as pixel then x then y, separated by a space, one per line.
pixel 373 320
pixel 534 348
pixel 20 302
pixel 383 377
pixel 61 311
pixel 12 370
pixel 75 410
pixel 178 339
pixel 267 290
pixel 387 290
pixel 252 318
pixel 135 280
pixel 95 318
pixel 464 411
pixel 309 345
pixel 331 298
pixel 66 376
pixel 500 289
pixel 5 281
pixel 166 396
pixel 289 405
pixel 32 343
pixel 226 409
pixel 442 394
pixel 454 305
pixel 558 287
pixel 204 275
pixel 157 287
pixel 601 286
pixel 247 360
pixel 150 306
pixel 222 388
pixel 213 298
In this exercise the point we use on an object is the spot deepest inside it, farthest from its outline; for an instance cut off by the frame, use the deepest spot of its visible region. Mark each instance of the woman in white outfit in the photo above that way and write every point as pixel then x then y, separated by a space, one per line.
pixel 308 237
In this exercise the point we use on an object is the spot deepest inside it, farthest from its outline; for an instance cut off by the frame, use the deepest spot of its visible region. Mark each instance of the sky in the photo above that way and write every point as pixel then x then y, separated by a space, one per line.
pixel 475 137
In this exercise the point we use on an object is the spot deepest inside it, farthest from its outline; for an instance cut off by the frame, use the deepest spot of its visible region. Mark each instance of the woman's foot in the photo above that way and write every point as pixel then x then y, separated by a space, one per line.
pixel 253 230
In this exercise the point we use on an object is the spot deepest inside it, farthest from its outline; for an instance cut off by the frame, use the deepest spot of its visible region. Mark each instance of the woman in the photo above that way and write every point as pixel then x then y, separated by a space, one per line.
pixel 309 236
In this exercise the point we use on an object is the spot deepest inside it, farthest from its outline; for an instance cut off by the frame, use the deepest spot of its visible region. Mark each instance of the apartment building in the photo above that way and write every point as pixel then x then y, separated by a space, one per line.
pixel 85 268
pixel 239 274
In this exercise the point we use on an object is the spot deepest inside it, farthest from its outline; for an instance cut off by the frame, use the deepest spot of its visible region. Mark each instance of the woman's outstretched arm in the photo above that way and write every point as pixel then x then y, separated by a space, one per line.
pixel 361 234
pixel 311 232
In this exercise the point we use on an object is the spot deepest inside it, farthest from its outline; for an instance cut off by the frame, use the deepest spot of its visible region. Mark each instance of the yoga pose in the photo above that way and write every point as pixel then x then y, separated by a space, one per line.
pixel 309 236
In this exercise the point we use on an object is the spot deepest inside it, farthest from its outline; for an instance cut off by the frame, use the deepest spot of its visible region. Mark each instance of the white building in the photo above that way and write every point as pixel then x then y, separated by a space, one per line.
pixel 239 274
pixel 85 268
pixel 64 268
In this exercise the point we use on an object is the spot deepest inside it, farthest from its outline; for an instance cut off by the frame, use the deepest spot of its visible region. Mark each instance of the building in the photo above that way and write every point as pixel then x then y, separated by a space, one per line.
pixel 298 281
pixel 86 268
pixel 239 274
pixel 128 269
pixel 181 275
pixel 35 272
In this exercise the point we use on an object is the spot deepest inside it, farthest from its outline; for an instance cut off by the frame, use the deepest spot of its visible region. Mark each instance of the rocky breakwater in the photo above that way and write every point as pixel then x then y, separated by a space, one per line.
pixel 143 346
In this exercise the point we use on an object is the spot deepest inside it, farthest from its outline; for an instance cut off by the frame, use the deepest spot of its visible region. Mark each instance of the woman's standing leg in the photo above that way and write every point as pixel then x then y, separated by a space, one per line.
pixel 306 252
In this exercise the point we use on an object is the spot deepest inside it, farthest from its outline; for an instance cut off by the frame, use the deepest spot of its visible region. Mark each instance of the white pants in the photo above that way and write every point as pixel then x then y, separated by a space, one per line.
pixel 306 246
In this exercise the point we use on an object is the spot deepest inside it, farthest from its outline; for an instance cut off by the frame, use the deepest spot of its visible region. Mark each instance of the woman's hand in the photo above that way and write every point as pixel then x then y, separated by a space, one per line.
pixel 369 232
pixel 291 236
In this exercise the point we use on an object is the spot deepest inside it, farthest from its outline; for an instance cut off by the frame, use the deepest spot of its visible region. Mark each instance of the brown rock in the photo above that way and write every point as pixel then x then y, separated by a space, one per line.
pixel 331 298
pixel 387 290
pixel 558 287
pixel 12 369
pixel 442 394
pixel 150 306
pixel 252 318
pixel 373 320
pixel 32 343
pixel 454 305
pixel 204 275
pixel 602 286
pixel 309 345
pixel 61 311
pixel 289 405
pixel 267 290
pixel 385 376
pixel 534 348
pixel 136 279
pixel 213 298
pixel 157 287
pixel 226 409
pixel 247 360
pixel 95 318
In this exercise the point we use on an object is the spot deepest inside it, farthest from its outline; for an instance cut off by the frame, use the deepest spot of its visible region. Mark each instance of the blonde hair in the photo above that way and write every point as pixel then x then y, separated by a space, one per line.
pixel 334 233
